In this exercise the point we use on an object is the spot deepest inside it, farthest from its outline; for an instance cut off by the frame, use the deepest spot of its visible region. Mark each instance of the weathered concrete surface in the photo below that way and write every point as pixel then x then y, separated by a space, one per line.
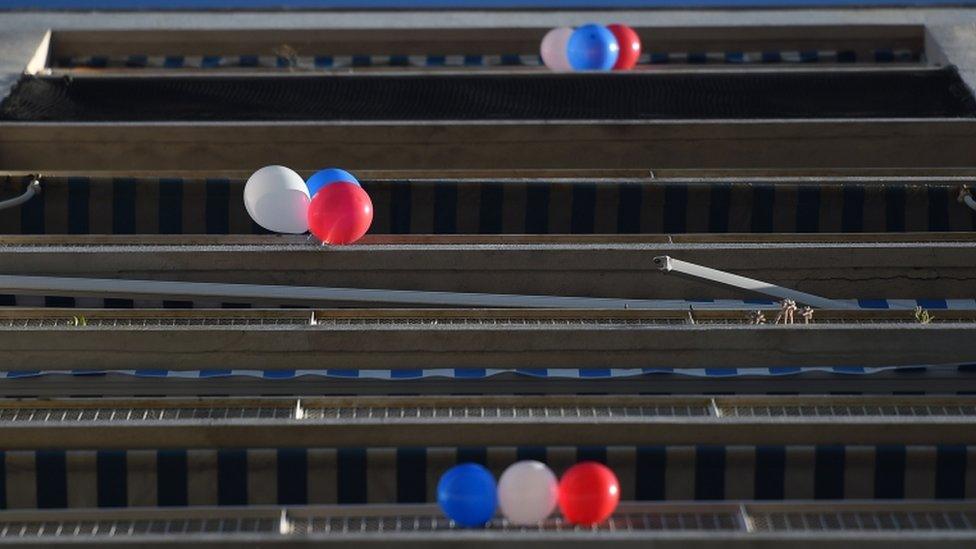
pixel 843 271
pixel 475 18
pixel 408 347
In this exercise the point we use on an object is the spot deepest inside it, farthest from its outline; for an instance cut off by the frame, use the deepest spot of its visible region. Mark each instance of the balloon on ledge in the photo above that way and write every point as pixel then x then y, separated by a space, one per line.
pixel 527 492
pixel 277 199
pixel 629 44
pixel 592 48
pixel 328 176
pixel 340 213
pixel 588 493
pixel 467 494
pixel 553 49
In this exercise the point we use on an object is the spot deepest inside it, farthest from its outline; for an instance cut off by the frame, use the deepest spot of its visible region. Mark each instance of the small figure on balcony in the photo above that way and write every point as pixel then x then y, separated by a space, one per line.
pixel 807 314
pixel 787 309
pixel 287 56
pixel 922 316
pixel 757 317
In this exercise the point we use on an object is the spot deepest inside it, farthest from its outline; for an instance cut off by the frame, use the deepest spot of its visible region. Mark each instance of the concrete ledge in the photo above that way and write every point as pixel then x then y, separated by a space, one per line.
pixel 896 270
pixel 381 347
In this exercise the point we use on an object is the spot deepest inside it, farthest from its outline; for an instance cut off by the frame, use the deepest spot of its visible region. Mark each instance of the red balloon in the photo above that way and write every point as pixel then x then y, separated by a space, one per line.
pixel 340 213
pixel 630 46
pixel 588 493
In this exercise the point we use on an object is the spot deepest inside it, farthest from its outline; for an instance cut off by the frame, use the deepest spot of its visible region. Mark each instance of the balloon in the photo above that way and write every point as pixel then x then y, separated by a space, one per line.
pixel 553 49
pixel 527 492
pixel 466 494
pixel 277 199
pixel 630 46
pixel 322 178
pixel 592 47
pixel 588 493
pixel 340 213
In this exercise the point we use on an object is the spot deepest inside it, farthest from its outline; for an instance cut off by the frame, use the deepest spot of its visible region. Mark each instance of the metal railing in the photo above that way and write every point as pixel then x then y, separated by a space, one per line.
pixel 487 420
pixel 482 407
pixel 838 521
pixel 338 319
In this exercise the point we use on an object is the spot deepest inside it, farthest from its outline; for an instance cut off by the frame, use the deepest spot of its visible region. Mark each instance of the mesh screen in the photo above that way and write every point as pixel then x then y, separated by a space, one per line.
pixel 740 95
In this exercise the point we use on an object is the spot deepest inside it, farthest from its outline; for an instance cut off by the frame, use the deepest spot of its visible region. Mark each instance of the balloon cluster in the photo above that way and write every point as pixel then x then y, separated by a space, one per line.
pixel 331 204
pixel 591 47
pixel 527 493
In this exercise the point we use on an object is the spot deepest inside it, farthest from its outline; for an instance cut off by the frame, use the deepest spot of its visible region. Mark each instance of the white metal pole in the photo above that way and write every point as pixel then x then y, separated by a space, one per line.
pixel 670 265
pixel 32 189
pixel 969 201
pixel 102 287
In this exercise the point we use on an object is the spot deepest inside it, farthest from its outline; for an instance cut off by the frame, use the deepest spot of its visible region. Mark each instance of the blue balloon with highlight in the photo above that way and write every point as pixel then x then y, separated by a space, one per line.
pixel 467 494
pixel 592 47
pixel 324 177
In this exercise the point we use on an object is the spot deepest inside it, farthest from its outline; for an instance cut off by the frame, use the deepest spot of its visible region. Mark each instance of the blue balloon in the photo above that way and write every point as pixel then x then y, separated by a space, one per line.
pixel 592 47
pixel 329 175
pixel 467 494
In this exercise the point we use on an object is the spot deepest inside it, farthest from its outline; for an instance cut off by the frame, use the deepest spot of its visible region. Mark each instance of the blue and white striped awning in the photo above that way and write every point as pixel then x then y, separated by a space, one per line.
pixel 431 60
pixel 479 373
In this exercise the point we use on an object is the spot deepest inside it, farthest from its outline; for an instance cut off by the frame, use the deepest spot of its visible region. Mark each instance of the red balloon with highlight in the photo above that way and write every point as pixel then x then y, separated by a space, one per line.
pixel 630 46
pixel 588 493
pixel 340 213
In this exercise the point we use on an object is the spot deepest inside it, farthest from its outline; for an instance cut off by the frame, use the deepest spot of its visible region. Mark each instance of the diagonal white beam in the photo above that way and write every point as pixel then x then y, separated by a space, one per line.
pixel 669 264
pixel 102 287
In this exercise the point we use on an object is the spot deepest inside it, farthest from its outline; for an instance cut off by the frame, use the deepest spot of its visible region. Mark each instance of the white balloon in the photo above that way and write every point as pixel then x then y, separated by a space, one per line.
pixel 527 492
pixel 277 199
pixel 553 49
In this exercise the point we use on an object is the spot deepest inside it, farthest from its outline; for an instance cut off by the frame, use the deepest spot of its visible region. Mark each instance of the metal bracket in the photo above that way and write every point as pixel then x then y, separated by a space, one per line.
pixel 33 188
pixel 966 198
pixel 669 264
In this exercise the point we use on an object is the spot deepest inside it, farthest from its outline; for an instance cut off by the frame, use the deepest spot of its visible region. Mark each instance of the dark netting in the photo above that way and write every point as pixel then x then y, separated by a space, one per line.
pixel 739 95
